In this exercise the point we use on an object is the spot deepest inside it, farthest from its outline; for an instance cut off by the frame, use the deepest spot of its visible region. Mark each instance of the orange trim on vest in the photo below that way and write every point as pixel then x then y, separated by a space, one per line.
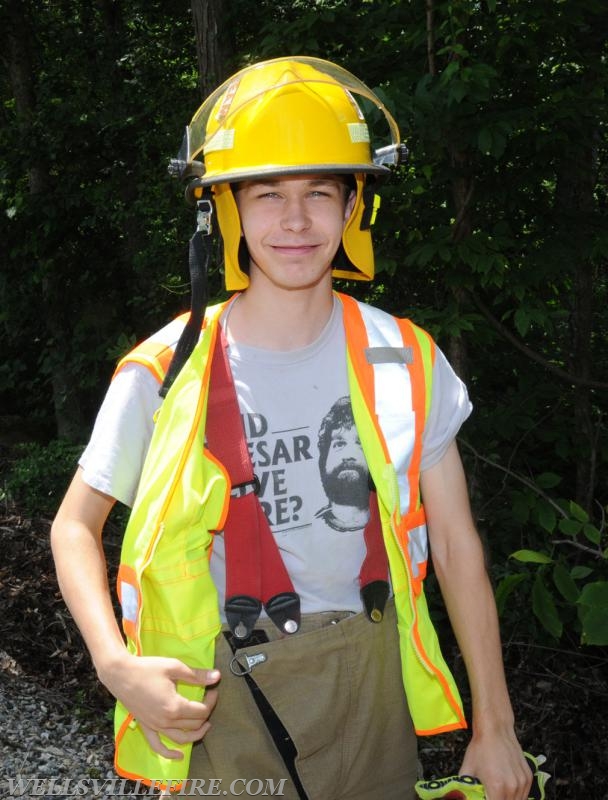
pixel 152 354
pixel 418 384
pixel 456 726
pixel 185 451
pixel 196 421
pixel 159 785
pixel 357 347
pixel 455 706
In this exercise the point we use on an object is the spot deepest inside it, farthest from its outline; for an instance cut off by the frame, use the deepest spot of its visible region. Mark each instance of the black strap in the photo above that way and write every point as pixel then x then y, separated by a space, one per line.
pixel 199 256
pixel 278 732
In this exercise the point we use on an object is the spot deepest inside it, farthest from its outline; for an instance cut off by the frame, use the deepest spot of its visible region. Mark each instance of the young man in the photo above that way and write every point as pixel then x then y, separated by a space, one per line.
pixel 309 694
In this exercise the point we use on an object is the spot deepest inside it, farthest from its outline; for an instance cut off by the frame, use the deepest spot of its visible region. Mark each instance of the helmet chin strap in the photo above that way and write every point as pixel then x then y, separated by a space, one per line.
pixel 199 256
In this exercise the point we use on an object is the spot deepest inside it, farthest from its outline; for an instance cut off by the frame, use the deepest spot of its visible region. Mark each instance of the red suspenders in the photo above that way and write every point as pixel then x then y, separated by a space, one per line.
pixel 255 573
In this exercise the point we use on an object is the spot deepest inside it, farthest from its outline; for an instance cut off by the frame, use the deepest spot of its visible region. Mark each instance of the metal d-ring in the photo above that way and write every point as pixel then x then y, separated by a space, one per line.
pixel 239 670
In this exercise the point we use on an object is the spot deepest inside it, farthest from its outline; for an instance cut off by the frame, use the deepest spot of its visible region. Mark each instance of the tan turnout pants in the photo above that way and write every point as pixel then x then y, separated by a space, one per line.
pixel 336 687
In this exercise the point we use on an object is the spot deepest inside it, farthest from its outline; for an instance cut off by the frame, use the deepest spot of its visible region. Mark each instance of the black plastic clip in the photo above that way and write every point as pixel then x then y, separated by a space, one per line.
pixel 284 610
pixel 248 487
pixel 242 612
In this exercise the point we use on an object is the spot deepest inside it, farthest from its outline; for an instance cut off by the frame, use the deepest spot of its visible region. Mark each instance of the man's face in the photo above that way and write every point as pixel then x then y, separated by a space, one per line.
pixel 346 473
pixel 293 227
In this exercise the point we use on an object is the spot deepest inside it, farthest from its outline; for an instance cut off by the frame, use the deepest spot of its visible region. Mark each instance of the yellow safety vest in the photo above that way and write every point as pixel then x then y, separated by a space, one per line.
pixel 168 599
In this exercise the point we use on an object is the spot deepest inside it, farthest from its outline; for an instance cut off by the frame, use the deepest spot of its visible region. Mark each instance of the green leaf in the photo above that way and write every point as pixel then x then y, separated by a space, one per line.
pixel 570 527
pixel 592 533
pixel 522 321
pixel 504 589
pixel 546 516
pixel 593 613
pixel 579 573
pixel 548 480
pixel 578 513
pixel 499 144
pixel 451 69
pixel 458 90
pixel 565 584
pixel 544 608
pixel 531 557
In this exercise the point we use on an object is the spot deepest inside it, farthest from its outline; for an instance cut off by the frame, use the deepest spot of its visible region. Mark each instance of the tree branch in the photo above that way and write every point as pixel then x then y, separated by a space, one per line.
pixel 530 484
pixel 430 36
pixel 579 546
pixel 559 373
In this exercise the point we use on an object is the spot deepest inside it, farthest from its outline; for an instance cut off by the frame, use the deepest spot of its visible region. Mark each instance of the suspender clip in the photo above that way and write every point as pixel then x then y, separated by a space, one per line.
pixel 240 489
pixel 242 613
pixel 284 610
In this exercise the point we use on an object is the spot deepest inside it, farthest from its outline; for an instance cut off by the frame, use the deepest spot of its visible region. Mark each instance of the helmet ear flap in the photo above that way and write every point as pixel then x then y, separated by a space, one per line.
pixel 236 255
pixel 355 258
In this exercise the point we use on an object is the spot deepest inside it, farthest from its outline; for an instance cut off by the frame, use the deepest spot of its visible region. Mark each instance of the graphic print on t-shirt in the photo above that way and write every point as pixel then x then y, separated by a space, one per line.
pixel 271 452
pixel 343 470
pixel 290 402
pixel 285 481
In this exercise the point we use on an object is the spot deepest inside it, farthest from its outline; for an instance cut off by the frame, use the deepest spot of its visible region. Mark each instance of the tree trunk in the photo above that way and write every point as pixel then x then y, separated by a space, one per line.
pixel 574 200
pixel 462 191
pixel 207 16
pixel 69 419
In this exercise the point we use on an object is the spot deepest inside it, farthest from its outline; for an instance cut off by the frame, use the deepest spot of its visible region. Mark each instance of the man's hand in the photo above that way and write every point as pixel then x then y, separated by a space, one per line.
pixel 497 760
pixel 147 687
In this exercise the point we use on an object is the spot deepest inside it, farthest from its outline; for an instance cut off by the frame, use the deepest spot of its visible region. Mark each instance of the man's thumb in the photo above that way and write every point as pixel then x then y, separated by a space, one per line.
pixel 197 677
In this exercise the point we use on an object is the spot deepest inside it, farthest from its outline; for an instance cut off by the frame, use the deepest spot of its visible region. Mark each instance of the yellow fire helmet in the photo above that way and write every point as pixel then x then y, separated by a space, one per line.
pixel 288 116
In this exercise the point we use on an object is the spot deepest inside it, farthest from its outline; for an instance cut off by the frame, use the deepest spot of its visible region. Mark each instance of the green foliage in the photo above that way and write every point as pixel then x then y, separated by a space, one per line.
pixel 565 580
pixel 87 258
pixel 493 236
pixel 37 476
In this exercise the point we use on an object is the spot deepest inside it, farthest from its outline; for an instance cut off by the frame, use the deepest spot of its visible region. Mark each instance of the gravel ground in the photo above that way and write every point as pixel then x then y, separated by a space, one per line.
pixel 42 740
pixel 55 712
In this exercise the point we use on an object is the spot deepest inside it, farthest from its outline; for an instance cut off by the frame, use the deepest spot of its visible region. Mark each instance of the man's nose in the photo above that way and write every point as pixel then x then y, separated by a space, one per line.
pixel 295 215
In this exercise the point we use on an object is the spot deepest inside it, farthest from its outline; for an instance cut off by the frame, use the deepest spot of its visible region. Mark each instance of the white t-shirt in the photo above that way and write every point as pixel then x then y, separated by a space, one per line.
pixel 305 451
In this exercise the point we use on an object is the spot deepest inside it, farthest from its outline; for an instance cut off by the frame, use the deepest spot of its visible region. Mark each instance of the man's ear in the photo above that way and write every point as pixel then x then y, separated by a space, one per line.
pixel 350 204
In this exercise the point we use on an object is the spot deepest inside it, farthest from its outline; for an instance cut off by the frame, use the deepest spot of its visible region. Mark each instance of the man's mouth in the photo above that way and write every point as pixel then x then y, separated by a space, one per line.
pixel 294 249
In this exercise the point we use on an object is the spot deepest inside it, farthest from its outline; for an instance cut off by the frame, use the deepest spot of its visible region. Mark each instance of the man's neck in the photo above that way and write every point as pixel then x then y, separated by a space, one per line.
pixel 280 320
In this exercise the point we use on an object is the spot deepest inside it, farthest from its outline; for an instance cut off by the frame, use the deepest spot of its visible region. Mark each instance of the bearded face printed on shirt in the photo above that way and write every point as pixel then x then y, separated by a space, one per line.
pixel 342 465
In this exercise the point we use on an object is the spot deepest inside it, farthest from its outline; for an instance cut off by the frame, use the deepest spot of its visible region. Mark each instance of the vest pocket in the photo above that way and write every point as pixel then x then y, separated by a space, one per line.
pixel 180 603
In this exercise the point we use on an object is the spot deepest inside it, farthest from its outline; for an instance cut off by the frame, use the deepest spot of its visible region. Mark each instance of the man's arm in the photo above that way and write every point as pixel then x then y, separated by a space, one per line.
pixel 146 686
pixel 493 755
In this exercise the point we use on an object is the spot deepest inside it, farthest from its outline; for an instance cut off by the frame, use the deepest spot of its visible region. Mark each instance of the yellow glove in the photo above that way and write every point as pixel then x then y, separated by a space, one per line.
pixel 464 787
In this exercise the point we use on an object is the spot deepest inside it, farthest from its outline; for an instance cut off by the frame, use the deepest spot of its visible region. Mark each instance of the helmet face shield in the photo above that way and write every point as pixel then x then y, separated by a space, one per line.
pixel 288 116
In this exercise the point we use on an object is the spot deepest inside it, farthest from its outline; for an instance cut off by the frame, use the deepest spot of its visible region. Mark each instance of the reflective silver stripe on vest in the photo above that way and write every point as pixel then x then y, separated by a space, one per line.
pixel 393 395
pixel 389 355
pixel 417 545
